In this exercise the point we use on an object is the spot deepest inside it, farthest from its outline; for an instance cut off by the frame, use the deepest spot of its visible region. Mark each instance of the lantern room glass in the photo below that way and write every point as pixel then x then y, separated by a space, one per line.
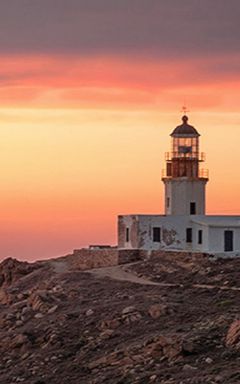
pixel 185 147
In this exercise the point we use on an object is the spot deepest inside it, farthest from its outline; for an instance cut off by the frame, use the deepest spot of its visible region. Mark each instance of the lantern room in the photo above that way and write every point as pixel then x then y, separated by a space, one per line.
pixel 183 160
pixel 185 143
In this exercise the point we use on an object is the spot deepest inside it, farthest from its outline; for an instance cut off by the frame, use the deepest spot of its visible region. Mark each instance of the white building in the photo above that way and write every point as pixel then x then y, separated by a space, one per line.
pixel 184 225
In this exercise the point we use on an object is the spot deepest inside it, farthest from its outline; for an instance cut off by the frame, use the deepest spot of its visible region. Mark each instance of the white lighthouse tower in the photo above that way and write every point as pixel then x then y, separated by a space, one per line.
pixel 184 181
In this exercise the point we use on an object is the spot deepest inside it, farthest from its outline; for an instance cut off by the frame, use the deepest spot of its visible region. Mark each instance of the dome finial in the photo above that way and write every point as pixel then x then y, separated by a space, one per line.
pixel 184 110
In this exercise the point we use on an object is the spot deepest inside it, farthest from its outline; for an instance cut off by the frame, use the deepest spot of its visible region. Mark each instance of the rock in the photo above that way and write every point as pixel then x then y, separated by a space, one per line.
pixel 131 318
pixel 57 288
pixel 157 310
pixel 20 296
pixel 25 310
pixel 153 378
pixel 97 363
pixel 219 379
pixel 209 360
pixel 233 334
pixel 19 340
pixel 38 300
pixel 110 323
pixel 130 314
pixel 10 316
pixel 128 310
pixel 188 347
pixel 89 312
pixel 39 316
pixel 106 334
pixel 18 315
pixel 168 347
pixel 25 356
pixel 53 309
pixel 5 297
pixel 188 367
pixel 19 323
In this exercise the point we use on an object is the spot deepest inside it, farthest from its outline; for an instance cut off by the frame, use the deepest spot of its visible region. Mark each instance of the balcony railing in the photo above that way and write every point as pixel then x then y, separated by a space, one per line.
pixel 202 174
pixel 200 156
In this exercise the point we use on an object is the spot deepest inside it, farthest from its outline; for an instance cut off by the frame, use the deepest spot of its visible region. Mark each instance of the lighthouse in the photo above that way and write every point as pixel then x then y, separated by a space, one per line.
pixel 184 180
pixel 184 225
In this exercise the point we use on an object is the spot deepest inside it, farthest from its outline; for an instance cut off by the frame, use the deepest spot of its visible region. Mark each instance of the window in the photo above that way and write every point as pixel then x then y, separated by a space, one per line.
pixel 192 208
pixel 156 234
pixel 168 202
pixel 200 236
pixel 127 235
pixel 189 235
pixel 169 169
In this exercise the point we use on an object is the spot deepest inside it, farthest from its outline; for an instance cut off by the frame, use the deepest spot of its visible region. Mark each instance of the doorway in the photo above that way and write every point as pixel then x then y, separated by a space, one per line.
pixel 228 241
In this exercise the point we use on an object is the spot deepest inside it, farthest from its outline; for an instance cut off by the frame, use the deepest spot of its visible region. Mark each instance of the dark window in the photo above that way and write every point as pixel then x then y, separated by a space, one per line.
pixel 228 241
pixel 127 235
pixel 168 202
pixel 189 235
pixel 192 208
pixel 156 234
pixel 169 169
pixel 200 236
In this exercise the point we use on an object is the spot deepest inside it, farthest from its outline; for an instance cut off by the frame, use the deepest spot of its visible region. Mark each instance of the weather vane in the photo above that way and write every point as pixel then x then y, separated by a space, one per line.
pixel 184 109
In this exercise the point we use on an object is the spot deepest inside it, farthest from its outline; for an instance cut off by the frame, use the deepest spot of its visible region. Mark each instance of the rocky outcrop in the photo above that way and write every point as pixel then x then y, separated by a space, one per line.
pixel 233 335
pixel 11 270
pixel 59 324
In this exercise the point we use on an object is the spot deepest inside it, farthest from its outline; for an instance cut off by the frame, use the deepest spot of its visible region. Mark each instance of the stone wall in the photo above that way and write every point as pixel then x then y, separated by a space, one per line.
pixel 97 258
pixel 85 258
pixel 177 255
pixel 128 256
pixel 94 258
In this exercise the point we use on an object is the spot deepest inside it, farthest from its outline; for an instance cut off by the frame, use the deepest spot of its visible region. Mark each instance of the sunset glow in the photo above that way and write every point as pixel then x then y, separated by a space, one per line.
pixel 83 137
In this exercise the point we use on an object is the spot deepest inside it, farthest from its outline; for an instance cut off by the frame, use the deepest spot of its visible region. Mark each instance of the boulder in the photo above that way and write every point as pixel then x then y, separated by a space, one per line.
pixel 38 300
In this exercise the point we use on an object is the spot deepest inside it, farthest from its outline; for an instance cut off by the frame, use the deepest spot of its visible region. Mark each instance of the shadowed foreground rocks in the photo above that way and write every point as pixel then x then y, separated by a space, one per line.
pixel 61 325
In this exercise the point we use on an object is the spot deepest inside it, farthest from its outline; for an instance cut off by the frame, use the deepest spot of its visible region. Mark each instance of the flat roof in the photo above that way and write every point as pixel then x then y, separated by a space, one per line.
pixel 217 220
pixel 208 220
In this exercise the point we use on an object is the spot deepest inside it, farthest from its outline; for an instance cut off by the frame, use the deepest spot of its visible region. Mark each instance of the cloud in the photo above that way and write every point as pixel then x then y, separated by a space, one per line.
pixel 115 82
pixel 160 28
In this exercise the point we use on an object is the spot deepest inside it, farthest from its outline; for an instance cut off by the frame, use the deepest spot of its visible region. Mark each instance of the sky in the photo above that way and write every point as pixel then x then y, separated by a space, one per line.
pixel 89 93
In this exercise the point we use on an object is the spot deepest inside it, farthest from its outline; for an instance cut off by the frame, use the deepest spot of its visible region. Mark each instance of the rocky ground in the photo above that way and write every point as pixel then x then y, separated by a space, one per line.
pixel 169 321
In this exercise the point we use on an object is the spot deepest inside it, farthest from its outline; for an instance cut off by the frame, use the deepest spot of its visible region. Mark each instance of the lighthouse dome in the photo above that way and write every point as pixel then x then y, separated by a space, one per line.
pixel 185 129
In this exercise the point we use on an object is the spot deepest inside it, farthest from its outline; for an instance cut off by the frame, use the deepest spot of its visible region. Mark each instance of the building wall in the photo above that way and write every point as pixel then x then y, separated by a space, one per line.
pixel 204 247
pixel 180 192
pixel 216 239
pixel 129 222
pixel 173 232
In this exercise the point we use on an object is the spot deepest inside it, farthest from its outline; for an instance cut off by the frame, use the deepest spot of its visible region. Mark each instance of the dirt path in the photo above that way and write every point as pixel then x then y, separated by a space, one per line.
pixel 118 273
pixel 221 287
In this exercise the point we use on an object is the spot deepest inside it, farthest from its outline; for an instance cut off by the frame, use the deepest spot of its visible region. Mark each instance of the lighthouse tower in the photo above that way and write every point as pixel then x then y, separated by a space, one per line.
pixel 184 181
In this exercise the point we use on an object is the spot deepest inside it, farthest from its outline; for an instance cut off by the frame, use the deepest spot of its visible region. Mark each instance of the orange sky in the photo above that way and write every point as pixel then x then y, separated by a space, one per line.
pixel 83 139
